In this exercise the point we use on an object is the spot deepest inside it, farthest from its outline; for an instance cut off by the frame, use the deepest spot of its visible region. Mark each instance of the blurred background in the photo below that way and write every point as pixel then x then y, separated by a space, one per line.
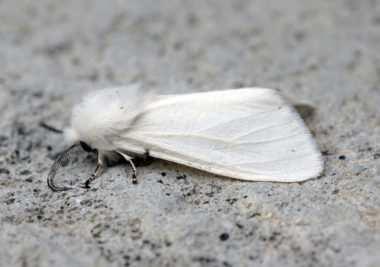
pixel 323 52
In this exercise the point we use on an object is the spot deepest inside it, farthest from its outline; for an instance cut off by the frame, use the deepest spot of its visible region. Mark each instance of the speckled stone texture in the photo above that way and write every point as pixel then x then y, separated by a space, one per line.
pixel 324 52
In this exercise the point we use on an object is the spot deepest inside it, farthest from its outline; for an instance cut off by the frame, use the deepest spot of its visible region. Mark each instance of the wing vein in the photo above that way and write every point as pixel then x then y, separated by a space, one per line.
pixel 230 142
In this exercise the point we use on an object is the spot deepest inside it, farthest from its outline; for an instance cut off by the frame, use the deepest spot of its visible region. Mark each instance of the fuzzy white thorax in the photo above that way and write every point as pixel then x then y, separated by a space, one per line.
pixel 102 114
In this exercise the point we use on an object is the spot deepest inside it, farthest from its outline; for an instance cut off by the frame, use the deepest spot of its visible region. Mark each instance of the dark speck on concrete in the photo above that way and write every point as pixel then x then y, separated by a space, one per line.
pixel 10 201
pixel 181 177
pixel 29 179
pixel 4 171
pixel 224 237
pixel 25 172
pixel 231 201
pixel 204 260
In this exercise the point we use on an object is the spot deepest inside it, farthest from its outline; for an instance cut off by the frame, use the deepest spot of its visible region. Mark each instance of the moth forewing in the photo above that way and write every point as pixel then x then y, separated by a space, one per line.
pixel 250 134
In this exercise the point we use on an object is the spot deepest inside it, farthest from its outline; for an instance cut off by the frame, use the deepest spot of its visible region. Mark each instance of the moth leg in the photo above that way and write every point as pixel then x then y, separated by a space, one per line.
pixel 134 170
pixel 100 167
pixel 62 159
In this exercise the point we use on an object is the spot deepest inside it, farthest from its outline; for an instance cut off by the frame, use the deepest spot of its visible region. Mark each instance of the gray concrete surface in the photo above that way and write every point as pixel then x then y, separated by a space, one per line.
pixel 326 52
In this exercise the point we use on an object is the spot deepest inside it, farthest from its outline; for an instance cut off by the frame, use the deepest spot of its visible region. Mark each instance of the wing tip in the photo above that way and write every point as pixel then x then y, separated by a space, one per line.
pixel 311 169
pixel 314 173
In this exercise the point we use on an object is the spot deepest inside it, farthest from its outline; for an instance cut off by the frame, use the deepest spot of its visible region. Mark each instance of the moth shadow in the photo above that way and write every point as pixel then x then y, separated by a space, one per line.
pixel 182 172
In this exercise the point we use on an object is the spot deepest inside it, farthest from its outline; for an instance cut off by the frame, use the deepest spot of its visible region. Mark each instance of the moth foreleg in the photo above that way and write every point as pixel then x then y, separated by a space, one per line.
pixel 100 167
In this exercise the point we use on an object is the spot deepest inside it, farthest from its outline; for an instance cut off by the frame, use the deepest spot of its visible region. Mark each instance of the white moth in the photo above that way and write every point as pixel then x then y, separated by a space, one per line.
pixel 249 134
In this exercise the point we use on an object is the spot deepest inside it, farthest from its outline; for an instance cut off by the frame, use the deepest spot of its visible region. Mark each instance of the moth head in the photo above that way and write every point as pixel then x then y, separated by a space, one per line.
pixel 71 137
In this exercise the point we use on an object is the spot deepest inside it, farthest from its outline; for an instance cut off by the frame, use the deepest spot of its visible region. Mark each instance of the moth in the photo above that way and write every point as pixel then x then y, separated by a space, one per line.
pixel 251 134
